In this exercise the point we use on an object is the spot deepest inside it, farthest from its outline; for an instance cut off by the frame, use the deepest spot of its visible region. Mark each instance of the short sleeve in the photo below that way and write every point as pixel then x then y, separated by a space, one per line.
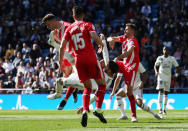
pixel 141 68
pixel 91 27
pixel 67 35
pixel 158 61
pixel 131 43
pixel 174 62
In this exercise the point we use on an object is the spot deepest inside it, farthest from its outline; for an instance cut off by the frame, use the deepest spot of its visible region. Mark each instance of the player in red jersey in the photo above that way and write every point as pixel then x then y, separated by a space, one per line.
pixel 79 34
pixel 58 28
pixel 130 54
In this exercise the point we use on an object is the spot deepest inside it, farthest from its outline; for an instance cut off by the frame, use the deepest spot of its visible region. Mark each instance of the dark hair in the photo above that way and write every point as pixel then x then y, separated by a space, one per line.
pixel 132 26
pixel 48 17
pixel 77 11
pixel 113 66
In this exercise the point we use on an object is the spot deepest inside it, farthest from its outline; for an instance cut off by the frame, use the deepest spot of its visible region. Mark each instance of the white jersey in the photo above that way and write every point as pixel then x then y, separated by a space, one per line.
pixel 165 66
pixel 141 70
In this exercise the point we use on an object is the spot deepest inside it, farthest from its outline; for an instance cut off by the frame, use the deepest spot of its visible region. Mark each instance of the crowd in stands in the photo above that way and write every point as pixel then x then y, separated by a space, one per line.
pixel 28 62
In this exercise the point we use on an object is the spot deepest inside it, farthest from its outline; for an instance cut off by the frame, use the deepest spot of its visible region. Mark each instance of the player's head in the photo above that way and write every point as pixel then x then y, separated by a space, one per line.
pixel 50 21
pixel 112 68
pixel 165 51
pixel 78 13
pixel 130 30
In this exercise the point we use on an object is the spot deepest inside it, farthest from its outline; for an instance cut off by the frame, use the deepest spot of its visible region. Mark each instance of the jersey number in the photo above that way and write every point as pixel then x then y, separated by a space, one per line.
pixel 77 39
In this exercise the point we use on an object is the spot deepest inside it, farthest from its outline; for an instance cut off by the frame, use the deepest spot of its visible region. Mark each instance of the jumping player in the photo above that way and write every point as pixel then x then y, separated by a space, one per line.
pixel 79 35
pixel 57 31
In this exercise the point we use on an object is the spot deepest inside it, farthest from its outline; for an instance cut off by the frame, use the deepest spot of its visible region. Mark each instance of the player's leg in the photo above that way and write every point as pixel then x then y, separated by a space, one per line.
pixel 100 93
pixel 165 98
pixel 160 87
pixel 138 95
pixel 119 95
pixel 67 95
pixel 59 86
pixel 86 99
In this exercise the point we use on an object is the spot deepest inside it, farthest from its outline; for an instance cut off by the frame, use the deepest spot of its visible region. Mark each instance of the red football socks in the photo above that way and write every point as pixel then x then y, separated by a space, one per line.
pixel 69 92
pixel 133 105
pixel 86 98
pixel 100 96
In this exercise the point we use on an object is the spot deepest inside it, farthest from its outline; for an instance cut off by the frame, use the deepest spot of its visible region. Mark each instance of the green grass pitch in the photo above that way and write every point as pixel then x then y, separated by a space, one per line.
pixel 53 120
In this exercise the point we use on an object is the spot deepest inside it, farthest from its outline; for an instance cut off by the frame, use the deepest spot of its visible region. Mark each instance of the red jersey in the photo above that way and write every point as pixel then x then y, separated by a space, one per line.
pixel 132 61
pixel 78 34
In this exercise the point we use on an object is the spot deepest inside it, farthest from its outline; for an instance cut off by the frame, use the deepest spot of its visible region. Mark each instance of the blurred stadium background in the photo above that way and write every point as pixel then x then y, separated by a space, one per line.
pixel 28 65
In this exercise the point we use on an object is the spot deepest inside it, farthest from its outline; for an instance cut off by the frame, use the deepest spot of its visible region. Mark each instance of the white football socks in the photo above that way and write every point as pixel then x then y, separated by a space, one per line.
pixel 160 97
pixel 121 105
pixel 147 108
pixel 165 100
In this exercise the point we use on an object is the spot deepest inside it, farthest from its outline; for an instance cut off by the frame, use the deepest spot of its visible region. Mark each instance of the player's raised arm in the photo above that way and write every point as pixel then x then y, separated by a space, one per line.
pixel 105 50
pixel 96 38
pixel 113 39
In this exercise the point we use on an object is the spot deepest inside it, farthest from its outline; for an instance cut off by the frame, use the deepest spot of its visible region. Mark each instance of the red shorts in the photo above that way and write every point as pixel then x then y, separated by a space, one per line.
pixel 130 76
pixel 88 69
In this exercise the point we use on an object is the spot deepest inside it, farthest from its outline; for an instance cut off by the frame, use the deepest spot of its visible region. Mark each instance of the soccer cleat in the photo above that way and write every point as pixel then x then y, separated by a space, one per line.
pixel 134 119
pixel 84 119
pixel 80 110
pixel 160 111
pixel 159 117
pixel 164 112
pixel 100 116
pixel 75 97
pixel 54 96
pixel 123 118
pixel 61 105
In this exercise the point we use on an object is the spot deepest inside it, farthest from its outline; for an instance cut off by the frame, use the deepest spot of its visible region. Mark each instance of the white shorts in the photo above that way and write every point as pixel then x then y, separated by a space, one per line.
pixel 165 85
pixel 74 81
pixel 136 92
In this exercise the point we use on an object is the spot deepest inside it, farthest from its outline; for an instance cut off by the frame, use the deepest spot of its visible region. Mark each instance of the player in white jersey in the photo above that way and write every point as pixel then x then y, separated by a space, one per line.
pixel 141 78
pixel 163 67
pixel 109 68
pixel 58 28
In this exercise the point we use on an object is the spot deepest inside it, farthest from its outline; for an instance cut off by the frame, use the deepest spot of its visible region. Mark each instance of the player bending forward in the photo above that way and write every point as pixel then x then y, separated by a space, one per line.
pixel 163 66
pixel 141 78
pixel 79 35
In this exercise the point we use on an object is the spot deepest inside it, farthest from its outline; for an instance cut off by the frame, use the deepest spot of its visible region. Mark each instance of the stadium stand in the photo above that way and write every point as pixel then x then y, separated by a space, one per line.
pixel 28 63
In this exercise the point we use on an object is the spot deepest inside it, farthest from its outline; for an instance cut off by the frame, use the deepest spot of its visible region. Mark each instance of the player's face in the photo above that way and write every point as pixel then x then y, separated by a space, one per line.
pixel 127 31
pixel 51 24
pixel 165 51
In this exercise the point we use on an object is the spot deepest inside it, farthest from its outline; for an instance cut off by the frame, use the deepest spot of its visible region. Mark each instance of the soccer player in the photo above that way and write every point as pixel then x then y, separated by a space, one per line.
pixel 57 31
pixel 79 35
pixel 130 54
pixel 74 81
pixel 162 67
pixel 141 78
